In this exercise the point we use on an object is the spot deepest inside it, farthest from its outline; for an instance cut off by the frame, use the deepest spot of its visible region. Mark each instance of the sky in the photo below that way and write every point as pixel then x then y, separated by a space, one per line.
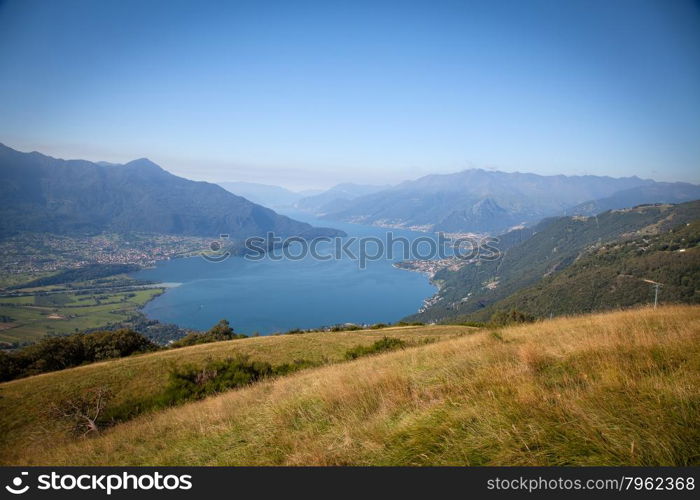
pixel 307 94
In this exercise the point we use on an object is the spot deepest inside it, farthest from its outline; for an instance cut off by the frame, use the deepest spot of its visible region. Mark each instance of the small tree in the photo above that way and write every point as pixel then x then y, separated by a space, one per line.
pixel 82 411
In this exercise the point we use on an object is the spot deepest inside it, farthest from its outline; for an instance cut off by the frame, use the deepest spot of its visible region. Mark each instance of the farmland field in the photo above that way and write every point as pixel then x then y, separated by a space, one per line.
pixel 29 317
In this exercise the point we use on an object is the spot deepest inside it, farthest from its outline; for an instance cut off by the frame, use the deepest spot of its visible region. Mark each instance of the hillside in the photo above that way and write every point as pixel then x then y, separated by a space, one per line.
pixel 134 380
pixel 611 276
pixel 44 194
pixel 607 389
pixel 550 247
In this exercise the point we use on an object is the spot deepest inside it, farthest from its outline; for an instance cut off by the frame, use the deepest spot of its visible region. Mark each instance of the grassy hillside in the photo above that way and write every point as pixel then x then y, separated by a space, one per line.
pixel 136 379
pixel 605 389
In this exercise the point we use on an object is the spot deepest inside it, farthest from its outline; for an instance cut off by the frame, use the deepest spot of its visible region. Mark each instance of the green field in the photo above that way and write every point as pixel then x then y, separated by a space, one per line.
pixel 8 280
pixel 28 318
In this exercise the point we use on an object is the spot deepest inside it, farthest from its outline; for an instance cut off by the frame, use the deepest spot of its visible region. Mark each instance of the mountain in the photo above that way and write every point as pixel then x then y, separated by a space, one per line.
pixel 263 194
pixel 479 218
pixel 613 275
pixel 44 194
pixel 553 245
pixel 336 198
pixel 479 201
pixel 658 192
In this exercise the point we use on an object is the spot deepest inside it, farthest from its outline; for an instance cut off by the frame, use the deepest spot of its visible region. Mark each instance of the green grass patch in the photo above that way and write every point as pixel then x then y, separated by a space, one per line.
pixel 36 316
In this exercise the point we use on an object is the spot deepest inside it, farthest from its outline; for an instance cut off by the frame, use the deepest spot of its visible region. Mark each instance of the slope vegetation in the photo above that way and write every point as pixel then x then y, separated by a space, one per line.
pixel 612 276
pixel 137 379
pixel 606 389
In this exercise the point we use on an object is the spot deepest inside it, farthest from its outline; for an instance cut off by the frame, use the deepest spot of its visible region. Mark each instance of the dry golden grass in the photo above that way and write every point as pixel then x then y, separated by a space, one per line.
pixel 607 389
pixel 137 378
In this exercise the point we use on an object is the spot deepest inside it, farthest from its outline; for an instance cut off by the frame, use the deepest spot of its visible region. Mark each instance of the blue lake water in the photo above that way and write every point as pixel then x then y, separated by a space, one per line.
pixel 269 296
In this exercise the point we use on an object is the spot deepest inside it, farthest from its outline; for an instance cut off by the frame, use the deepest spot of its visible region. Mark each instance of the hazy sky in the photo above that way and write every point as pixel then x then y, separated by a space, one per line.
pixel 307 94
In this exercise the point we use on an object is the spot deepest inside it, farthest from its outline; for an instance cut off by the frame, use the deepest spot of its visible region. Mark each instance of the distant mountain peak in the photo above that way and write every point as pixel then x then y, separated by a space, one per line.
pixel 486 204
pixel 143 163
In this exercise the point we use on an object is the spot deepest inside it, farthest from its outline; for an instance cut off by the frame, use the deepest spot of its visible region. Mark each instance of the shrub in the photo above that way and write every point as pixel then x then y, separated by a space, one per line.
pixel 105 345
pixel 8 366
pixel 192 382
pixel 477 324
pixel 384 344
pixel 502 318
pixel 221 331
pixel 296 365
pixel 58 353
pixel 345 328
pixel 195 382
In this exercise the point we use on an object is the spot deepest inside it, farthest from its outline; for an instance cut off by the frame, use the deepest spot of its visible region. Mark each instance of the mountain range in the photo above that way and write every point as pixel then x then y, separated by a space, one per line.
pixel 44 194
pixel 481 201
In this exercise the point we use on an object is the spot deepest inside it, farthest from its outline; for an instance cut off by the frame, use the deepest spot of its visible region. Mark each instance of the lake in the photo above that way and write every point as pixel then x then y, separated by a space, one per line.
pixel 269 296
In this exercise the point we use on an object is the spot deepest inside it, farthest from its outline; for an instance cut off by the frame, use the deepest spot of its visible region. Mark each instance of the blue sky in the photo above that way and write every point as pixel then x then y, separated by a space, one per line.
pixel 307 94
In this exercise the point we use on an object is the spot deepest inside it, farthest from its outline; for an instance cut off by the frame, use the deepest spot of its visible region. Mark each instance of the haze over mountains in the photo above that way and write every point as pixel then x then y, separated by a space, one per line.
pixel 44 194
pixel 657 192
pixel 492 202
pixel 275 197
pixel 336 198
pixel 313 201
